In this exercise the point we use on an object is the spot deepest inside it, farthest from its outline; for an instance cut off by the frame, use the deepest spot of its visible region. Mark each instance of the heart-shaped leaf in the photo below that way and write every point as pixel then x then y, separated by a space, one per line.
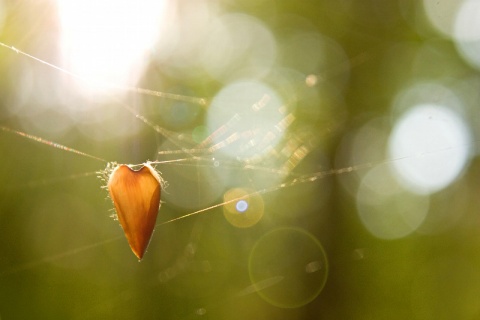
pixel 136 196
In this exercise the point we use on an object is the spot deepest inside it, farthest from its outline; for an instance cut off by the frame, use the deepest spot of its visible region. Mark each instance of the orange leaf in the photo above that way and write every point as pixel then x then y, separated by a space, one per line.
pixel 136 196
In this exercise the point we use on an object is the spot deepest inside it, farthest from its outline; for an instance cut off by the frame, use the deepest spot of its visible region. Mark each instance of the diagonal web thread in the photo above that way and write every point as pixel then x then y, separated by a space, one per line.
pixel 50 143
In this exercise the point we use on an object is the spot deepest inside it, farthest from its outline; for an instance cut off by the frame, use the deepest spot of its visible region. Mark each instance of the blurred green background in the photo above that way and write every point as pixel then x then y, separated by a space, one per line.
pixel 350 125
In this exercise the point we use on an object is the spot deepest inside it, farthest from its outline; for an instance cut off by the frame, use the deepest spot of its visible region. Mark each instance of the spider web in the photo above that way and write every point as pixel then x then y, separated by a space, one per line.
pixel 195 172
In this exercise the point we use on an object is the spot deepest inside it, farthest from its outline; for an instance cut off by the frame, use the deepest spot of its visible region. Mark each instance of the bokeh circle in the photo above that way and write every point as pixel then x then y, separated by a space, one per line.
pixel 288 267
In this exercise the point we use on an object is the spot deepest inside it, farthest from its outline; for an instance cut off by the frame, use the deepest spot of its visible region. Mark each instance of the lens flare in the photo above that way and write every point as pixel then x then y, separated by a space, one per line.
pixel 244 207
